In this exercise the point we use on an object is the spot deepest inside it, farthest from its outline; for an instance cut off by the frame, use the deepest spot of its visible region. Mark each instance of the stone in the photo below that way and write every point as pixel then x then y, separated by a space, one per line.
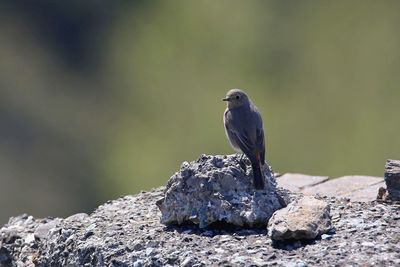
pixel 187 262
pixel 216 189
pixel 43 230
pixel 138 263
pixel 295 182
pixel 392 179
pixel 149 251
pixel 326 237
pixel 382 194
pixel 365 194
pixel 306 218
pixel 368 244
pixel 29 238
pixel 345 186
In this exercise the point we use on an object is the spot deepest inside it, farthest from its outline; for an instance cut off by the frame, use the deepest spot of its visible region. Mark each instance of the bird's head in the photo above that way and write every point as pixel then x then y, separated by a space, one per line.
pixel 236 98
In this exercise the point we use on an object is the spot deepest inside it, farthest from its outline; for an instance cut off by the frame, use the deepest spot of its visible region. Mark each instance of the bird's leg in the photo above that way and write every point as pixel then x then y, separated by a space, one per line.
pixel 242 163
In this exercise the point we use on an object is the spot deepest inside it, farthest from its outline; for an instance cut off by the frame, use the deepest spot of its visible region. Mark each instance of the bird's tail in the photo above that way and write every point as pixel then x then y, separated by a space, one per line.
pixel 259 182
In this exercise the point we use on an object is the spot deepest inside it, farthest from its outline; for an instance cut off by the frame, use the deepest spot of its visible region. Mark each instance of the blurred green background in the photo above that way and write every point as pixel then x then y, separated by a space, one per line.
pixel 104 98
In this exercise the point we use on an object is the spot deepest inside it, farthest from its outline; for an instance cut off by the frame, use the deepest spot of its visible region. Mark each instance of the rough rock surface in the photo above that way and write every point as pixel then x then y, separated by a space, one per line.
pixel 305 218
pixel 392 179
pixel 356 187
pixel 297 182
pixel 127 232
pixel 217 189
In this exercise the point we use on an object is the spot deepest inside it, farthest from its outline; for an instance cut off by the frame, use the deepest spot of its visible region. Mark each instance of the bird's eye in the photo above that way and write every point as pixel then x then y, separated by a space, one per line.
pixel 237 97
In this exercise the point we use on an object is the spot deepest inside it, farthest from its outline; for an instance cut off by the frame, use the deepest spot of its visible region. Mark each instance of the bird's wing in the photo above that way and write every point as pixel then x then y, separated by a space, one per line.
pixel 260 140
pixel 260 143
pixel 243 141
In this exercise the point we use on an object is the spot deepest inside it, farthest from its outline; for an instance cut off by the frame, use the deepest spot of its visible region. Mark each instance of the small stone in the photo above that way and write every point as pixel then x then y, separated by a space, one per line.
pixel 91 227
pixel 225 238
pixel 240 259
pixel 138 263
pixel 29 238
pixel 149 251
pixel 326 237
pixel 301 263
pixel 306 218
pixel 260 262
pixel 187 262
pixel 70 239
pixel 368 244
pixel 66 233
pixel 43 230
pixel 382 194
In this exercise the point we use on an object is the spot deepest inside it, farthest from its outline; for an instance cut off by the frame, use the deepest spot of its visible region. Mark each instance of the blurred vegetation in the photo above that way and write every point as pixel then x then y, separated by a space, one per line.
pixel 105 98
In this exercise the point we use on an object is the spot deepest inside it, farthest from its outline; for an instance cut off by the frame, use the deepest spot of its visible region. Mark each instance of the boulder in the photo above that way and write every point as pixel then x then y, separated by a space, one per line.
pixel 219 189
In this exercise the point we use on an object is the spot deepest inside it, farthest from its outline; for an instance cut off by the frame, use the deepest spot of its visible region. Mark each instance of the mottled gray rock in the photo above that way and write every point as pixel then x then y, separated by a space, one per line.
pixel 122 230
pixel 392 179
pixel 218 189
pixel 305 218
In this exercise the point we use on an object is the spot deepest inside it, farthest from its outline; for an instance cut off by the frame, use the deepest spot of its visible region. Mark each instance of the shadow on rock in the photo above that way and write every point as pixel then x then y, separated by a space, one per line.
pixel 215 229
pixel 291 245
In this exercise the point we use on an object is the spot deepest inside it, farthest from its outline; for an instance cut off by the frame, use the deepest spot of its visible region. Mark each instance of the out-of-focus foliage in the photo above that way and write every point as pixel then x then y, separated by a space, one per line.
pixel 104 99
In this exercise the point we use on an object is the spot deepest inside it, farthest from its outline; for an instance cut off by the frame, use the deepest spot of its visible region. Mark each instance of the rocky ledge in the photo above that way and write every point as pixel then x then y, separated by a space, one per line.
pixel 128 232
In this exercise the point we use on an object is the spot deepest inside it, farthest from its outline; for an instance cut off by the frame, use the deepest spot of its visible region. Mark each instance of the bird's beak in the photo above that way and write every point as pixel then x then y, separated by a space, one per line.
pixel 226 99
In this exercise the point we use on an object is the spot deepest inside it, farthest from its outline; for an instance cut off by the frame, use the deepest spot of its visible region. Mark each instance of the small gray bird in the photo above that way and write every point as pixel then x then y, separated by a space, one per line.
pixel 244 129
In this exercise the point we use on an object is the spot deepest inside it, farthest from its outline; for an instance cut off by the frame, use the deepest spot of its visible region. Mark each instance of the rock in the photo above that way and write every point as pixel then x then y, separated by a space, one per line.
pixel 138 263
pixel 187 262
pixel 392 179
pixel 326 237
pixel 306 218
pixel 382 194
pixel 368 244
pixel 43 230
pixel 347 186
pixel 365 194
pixel 29 238
pixel 296 182
pixel 124 228
pixel 217 189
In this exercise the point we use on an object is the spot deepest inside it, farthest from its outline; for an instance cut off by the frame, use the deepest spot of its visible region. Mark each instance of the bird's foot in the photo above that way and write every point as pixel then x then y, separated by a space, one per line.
pixel 242 163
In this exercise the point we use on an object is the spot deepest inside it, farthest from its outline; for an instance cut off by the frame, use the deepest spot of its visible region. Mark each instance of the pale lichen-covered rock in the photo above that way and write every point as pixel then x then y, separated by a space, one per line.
pixel 219 189
pixel 305 218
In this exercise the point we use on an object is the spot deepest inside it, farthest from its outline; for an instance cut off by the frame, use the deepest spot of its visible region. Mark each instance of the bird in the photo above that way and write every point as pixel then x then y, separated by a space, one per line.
pixel 244 129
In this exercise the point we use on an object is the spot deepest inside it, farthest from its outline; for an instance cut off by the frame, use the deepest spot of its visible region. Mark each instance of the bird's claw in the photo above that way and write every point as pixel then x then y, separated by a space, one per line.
pixel 242 163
